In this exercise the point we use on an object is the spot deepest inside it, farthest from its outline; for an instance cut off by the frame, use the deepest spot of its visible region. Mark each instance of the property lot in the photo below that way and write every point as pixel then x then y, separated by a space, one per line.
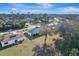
pixel 24 49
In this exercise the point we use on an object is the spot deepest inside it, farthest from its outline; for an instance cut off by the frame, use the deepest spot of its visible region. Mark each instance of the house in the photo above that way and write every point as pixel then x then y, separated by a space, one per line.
pixel 37 31
pixel 33 26
pixel 17 32
pixel 6 41
pixel 27 25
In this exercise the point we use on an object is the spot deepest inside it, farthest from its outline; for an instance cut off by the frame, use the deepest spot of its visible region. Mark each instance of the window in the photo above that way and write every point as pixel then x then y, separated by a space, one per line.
pixel 6 43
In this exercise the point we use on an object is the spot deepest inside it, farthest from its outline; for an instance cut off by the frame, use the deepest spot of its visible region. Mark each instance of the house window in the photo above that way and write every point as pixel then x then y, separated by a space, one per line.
pixel 35 34
pixel 6 43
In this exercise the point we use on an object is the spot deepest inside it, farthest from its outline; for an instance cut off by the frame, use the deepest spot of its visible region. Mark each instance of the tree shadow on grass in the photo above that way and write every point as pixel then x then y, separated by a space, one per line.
pixel 43 50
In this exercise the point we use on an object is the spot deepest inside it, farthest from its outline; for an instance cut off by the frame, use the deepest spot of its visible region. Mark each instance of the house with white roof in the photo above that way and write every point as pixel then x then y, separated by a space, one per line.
pixel 37 31
pixel 6 41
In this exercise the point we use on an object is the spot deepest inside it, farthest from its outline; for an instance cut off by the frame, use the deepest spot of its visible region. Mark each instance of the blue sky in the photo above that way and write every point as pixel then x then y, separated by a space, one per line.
pixel 50 8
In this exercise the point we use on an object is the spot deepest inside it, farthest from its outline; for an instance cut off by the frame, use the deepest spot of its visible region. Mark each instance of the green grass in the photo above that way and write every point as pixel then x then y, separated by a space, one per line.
pixel 4 35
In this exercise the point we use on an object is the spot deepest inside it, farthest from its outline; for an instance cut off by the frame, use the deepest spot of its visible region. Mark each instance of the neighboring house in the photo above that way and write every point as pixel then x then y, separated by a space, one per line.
pixel 15 39
pixel 53 25
pixel 27 25
pixel 29 20
pixel 17 32
pixel 31 27
pixel 14 32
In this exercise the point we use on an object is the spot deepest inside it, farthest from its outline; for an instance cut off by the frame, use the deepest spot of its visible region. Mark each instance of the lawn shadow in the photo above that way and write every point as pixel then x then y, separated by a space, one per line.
pixel 42 50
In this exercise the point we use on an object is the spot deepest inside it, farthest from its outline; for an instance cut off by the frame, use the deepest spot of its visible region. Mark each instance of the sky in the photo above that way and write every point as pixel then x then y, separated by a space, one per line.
pixel 37 8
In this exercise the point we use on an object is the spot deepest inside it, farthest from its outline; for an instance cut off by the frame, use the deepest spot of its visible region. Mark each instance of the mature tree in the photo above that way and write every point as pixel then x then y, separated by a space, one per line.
pixel 71 36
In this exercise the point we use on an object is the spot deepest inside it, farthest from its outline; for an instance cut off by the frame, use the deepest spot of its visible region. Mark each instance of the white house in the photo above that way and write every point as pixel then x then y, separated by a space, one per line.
pixel 27 25
pixel 6 41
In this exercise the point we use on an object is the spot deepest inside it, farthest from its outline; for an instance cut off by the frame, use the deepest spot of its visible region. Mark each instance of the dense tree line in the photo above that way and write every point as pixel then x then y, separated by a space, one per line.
pixel 16 21
pixel 11 24
pixel 70 45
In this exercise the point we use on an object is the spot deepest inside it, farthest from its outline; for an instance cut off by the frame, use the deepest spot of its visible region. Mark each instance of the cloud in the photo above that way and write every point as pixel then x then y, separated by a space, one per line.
pixel 38 11
pixel 44 5
pixel 69 9
pixel 17 4
pixel 14 9
pixel 35 11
